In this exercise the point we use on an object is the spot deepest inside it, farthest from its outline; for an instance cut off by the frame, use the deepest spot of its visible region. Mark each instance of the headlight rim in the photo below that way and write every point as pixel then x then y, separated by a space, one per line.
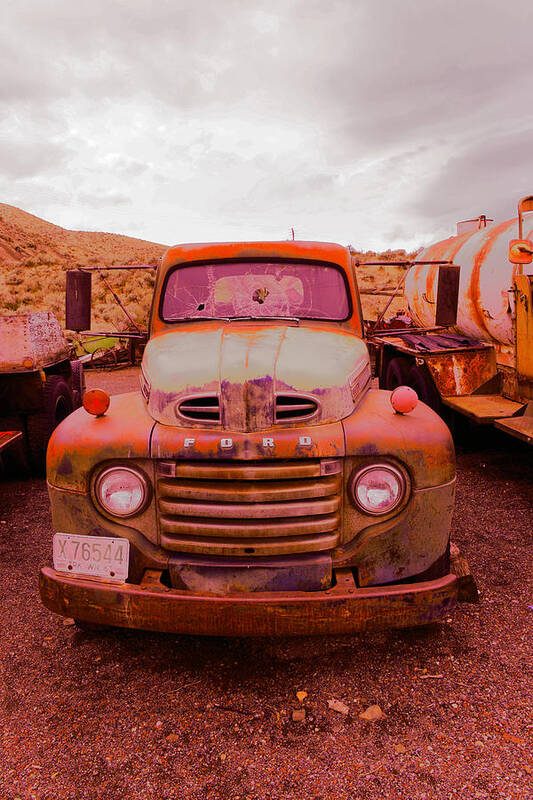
pixel 139 473
pixel 396 470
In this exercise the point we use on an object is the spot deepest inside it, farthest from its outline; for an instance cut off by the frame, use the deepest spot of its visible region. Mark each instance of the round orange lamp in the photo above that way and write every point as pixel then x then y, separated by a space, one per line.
pixel 404 399
pixel 96 402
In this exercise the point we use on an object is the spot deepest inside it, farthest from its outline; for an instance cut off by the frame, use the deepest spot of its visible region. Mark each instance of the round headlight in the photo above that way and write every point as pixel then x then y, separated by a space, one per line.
pixel 122 491
pixel 378 489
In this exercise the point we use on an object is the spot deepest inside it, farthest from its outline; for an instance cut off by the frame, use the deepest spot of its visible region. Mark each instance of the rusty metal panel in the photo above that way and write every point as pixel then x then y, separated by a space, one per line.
pixel 419 440
pixel 243 368
pixel 343 609
pixel 524 327
pixel 461 373
pixel 406 545
pixel 82 441
pixel 315 540
pixel 30 342
pixel 486 302
pixel 304 442
pixel 304 573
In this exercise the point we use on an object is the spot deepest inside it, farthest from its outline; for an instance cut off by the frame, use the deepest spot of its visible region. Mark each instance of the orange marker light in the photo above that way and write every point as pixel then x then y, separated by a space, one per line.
pixel 27 363
pixel 96 402
pixel 404 399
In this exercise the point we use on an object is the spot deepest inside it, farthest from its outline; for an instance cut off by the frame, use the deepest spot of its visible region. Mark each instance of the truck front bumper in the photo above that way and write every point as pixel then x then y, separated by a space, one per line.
pixel 343 609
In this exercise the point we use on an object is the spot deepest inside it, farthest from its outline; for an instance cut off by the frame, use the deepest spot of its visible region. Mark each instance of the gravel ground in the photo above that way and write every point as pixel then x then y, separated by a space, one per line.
pixel 123 715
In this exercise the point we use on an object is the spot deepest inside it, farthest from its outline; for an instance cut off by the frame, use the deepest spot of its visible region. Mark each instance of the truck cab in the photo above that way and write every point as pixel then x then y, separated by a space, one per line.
pixel 256 484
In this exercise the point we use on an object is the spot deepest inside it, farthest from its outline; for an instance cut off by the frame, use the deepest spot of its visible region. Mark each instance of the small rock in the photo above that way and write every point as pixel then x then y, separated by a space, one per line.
pixel 372 714
pixel 399 748
pixel 298 715
pixel 222 756
pixel 158 724
pixel 341 708
pixel 68 621
pixel 172 737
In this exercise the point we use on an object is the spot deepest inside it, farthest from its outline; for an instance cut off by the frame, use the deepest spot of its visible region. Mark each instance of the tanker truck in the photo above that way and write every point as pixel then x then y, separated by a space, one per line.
pixel 481 363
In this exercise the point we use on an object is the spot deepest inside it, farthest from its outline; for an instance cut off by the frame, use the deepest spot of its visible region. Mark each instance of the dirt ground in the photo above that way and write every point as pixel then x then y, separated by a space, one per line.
pixel 122 715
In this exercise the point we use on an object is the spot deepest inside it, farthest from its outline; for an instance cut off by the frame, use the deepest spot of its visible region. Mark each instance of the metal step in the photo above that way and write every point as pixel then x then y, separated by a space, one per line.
pixel 484 408
pixel 521 427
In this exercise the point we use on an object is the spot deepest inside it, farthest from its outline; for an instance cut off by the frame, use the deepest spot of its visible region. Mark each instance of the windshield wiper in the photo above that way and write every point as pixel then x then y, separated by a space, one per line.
pixel 189 319
pixel 266 319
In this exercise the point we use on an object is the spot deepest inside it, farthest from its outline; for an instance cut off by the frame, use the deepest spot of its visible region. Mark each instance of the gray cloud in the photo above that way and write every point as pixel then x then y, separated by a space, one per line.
pixel 374 121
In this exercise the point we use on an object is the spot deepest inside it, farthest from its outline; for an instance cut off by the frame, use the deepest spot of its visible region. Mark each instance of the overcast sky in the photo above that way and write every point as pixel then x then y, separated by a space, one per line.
pixel 378 123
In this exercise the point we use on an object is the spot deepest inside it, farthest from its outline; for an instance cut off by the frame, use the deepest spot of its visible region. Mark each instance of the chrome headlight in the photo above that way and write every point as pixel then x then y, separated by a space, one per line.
pixel 122 491
pixel 378 488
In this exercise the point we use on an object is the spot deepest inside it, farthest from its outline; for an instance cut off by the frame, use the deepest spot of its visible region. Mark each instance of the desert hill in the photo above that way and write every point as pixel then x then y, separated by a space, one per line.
pixel 24 237
pixel 35 254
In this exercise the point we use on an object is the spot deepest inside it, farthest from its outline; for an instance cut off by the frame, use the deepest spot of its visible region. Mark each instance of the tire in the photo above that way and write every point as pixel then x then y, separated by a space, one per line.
pixel 58 402
pixel 421 381
pixel 397 373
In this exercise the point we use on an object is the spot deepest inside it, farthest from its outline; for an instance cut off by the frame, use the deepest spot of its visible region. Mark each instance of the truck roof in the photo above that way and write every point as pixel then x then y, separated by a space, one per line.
pixel 317 251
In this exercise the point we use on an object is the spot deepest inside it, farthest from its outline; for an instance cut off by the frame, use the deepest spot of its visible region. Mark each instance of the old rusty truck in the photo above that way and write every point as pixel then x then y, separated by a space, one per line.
pixel 481 367
pixel 257 484
pixel 39 385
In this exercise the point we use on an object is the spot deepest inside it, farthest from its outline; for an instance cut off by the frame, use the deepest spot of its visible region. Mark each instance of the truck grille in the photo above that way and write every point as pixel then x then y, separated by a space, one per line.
pixel 204 408
pixel 290 407
pixel 249 508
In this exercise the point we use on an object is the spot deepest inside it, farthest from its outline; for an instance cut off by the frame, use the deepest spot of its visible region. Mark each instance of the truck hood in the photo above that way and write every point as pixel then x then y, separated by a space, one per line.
pixel 252 377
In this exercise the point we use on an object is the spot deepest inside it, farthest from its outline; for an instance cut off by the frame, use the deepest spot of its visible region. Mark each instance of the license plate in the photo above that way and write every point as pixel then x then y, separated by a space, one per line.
pixel 98 556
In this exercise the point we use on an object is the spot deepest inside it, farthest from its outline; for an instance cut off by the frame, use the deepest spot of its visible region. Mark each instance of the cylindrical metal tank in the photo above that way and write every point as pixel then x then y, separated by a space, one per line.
pixel 486 306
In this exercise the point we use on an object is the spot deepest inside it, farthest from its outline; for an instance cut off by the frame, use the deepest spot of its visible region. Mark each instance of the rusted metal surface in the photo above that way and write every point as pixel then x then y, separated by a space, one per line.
pixel 486 302
pixel 244 516
pixel 29 342
pixel 247 366
pixel 524 329
pixel 319 441
pixel 82 441
pixel 222 576
pixel 420 440
pixel 403 546
pixel 461 373
pixel 340 610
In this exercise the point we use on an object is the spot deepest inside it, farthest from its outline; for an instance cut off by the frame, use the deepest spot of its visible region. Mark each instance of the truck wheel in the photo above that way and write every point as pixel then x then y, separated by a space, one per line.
pixel 397 373
pixel 421 381
pixel 58 404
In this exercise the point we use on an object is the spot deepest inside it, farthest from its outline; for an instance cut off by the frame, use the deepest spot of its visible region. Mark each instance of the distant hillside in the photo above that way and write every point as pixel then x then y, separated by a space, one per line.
pixel 35 254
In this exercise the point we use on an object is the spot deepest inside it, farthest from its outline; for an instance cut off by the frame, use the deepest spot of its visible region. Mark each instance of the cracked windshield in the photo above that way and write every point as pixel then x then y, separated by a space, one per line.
pixel 256 289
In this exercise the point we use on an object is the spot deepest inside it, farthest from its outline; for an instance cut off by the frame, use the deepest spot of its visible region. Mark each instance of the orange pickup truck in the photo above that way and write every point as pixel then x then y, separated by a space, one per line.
pixel 257 484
